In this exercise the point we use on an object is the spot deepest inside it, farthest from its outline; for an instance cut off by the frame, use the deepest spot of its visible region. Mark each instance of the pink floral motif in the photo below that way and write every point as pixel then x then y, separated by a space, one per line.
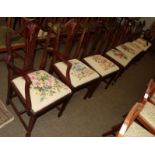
pixel 44 85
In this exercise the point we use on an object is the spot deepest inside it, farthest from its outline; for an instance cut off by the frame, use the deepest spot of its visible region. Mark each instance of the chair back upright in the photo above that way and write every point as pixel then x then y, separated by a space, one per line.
pixel 138 30
pixel 150 92
pixel 30 32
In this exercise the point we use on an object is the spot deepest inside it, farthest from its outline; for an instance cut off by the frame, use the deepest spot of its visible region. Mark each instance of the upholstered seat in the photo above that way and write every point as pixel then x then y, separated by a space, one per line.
pixel 16 41
pixel 120 57
pixel 79 73
pixel 44 90
pixel 143 43
pixel 101 64
pixel 131 53
pixel 135 45
pixel 135 130
pixel 135 48
pixel 148 114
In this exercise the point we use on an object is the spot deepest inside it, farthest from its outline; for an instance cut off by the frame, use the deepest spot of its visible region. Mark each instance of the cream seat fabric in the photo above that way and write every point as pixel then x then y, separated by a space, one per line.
pixel 79 73
pixel 143 43
pixel 44 90
pixel 135 45
pixel 129 49
pixel 148 113
pixel 135 48
pixel 121 57
pixel 136 130
pixel 101 64
pixel 126 50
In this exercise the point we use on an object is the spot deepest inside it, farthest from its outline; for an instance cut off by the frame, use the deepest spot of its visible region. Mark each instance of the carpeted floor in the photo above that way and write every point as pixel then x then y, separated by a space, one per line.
pixel 89 117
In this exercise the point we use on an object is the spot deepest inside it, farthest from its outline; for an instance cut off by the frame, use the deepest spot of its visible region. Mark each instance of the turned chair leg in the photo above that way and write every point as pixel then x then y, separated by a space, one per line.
pixel 30 125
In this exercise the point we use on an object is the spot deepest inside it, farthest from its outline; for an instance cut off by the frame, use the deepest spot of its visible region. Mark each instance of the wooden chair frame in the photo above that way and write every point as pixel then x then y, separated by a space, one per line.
pixel 9 24
pixel 148 93
pixel 31 31
pixel 120 129
pixel 64 57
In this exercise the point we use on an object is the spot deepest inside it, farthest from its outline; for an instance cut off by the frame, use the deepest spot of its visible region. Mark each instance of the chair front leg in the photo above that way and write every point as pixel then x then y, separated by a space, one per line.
pixel 9 93
pixel 31 125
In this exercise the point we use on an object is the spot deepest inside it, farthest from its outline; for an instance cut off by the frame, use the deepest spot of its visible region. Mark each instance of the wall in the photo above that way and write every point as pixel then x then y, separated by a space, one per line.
pixel 148 20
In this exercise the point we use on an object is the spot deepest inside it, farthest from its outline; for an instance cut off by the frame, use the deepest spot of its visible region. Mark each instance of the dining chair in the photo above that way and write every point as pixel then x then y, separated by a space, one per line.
pixel 128 53
pixel 66 60
pixel 94 57
pixel 147 115
pixel 130 126
pixel 37 90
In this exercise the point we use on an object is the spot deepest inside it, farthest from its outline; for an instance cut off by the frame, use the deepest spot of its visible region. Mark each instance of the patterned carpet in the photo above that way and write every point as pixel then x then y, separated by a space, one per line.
pixel 86 118
pixel 5 115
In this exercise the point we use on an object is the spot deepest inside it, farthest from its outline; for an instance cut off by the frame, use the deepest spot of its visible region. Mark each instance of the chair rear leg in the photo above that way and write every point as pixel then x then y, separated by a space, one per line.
pixel 110 81
pixel 118 75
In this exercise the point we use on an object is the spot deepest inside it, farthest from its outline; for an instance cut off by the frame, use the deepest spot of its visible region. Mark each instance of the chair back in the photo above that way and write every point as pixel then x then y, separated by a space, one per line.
pixel 138 30
pixel 30 32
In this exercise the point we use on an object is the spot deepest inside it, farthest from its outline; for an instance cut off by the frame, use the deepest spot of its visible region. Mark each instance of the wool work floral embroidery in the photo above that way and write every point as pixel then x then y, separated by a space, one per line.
pixel 119 54
pixel 45 85
pixel 80 71
pixel 128 49
pixel 103 62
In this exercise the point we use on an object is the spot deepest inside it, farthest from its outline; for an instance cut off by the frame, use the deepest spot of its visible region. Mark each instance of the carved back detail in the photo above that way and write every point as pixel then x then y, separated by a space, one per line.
pixel 30 32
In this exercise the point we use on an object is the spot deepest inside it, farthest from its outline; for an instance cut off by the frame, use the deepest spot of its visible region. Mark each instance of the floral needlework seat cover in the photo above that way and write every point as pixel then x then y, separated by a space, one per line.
pixel 79 73
pixel 134 47
pixel 119 56
pixel 148 113
pixel 101 64
pixel 44 90
pixel 136 130
pixel 129 51
pixel 144 44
